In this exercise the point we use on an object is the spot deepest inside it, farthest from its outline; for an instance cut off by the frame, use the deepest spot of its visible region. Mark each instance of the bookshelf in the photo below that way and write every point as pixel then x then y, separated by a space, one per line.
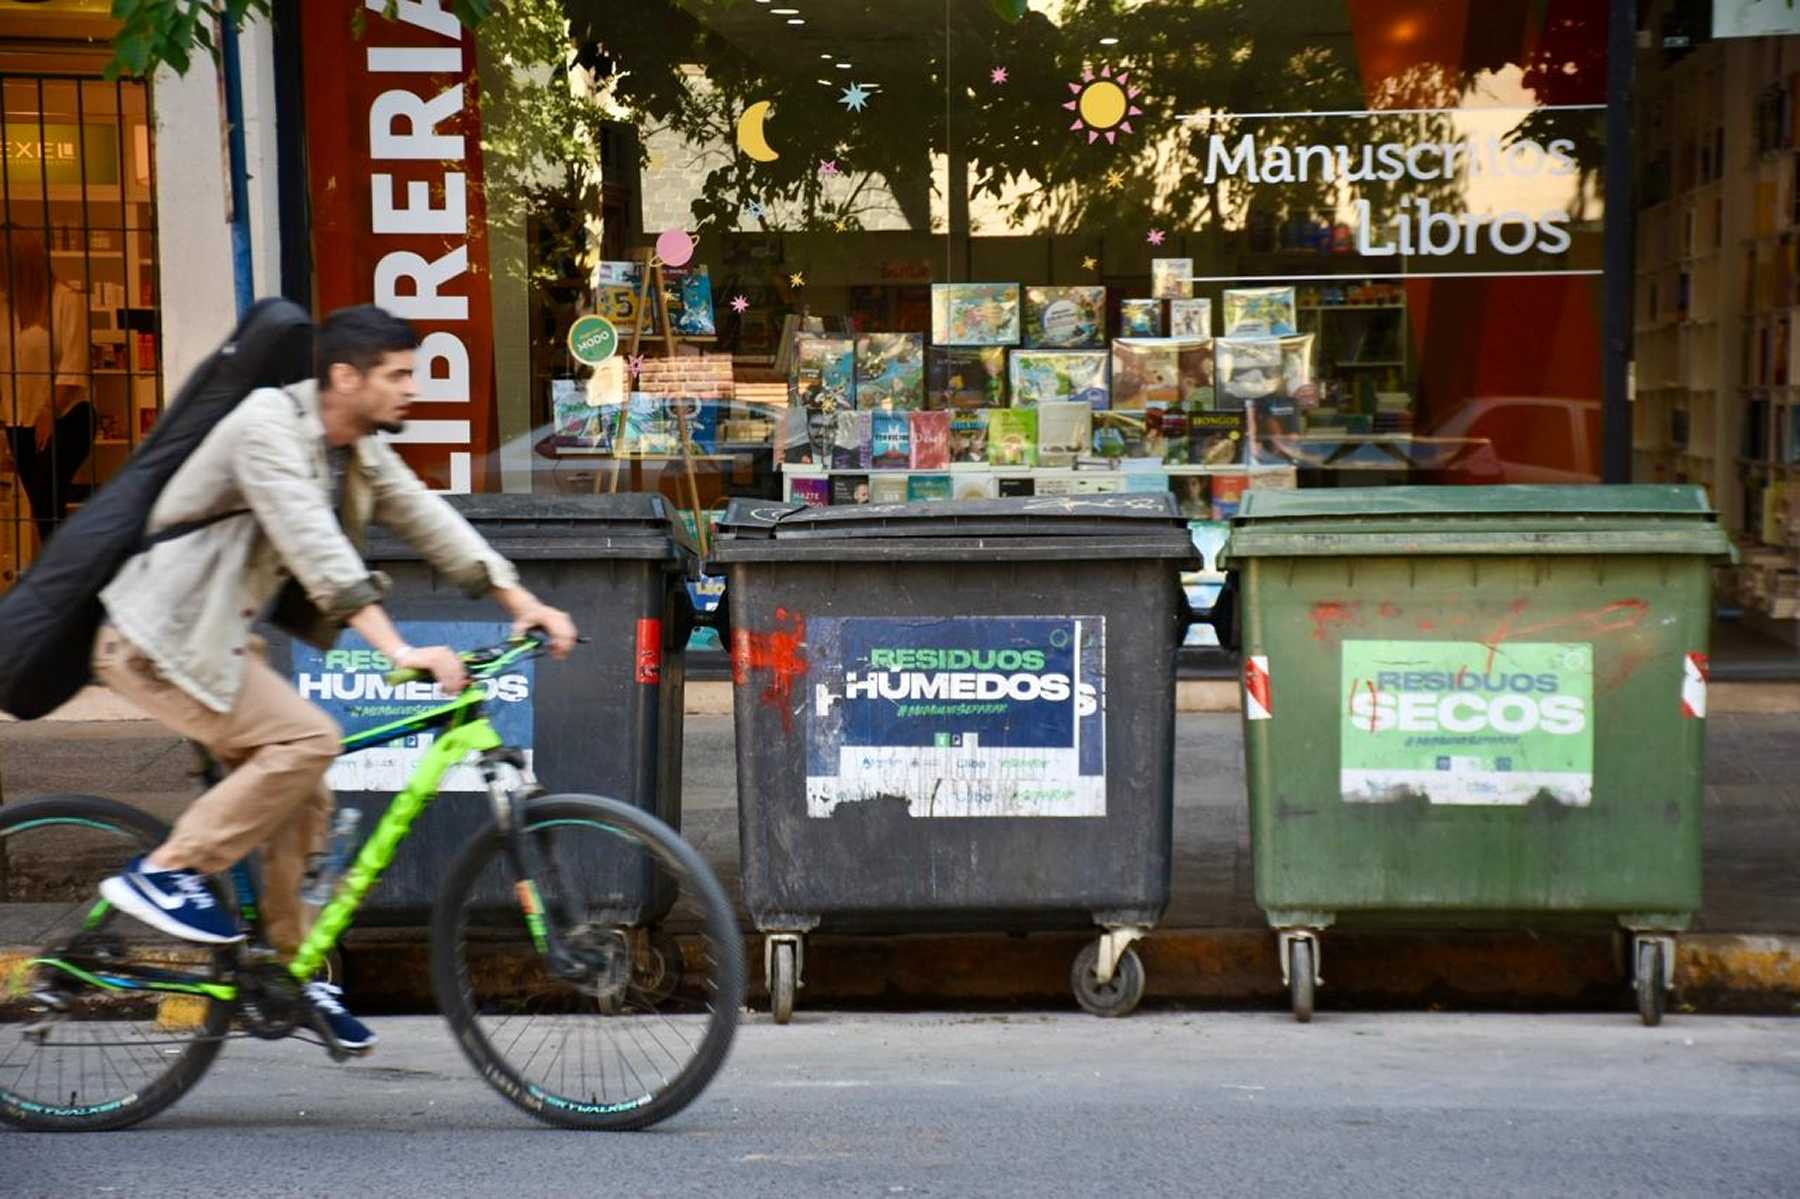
pixel 1717 294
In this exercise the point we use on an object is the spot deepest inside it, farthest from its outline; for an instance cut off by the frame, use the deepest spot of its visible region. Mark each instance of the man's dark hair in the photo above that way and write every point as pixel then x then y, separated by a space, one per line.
pixel 361 336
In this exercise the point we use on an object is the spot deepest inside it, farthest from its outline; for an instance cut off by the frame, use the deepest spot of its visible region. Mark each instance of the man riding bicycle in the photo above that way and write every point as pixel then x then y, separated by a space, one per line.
pixel 279 496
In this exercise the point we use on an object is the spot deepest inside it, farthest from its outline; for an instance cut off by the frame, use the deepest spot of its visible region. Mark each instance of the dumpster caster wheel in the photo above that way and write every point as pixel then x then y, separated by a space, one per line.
pixel 1650 970
pixel 782 981
pixel 1120 996
pixel 1301 974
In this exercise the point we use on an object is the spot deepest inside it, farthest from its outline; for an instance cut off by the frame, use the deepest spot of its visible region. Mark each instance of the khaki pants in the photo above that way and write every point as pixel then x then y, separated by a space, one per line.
pixel 277 747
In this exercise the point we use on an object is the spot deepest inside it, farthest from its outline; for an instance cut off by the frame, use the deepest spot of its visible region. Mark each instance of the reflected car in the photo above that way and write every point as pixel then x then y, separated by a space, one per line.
pixel 723 469
pixel 1523 439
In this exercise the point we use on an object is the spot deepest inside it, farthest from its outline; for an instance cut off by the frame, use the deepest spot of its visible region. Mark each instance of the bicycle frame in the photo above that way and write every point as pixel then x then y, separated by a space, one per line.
pixel 464 730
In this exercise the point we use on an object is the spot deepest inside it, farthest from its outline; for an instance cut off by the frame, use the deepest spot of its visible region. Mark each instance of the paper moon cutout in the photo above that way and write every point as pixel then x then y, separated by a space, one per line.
pixel 750 136
pixel 675 247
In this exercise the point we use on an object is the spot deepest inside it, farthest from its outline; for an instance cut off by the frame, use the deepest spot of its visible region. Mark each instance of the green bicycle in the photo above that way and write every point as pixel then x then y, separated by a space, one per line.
pixel 554 990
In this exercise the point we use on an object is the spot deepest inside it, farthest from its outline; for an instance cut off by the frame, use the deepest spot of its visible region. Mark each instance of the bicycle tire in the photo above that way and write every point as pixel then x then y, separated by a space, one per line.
pixel 450 976
pixel 183 1070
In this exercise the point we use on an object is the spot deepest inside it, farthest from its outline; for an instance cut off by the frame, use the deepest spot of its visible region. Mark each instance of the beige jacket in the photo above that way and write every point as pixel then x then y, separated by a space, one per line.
pixel 189 603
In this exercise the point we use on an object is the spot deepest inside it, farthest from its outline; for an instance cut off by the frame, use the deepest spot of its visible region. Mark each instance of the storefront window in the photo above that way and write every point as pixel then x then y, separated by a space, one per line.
pixel 80 380
pixel 894 250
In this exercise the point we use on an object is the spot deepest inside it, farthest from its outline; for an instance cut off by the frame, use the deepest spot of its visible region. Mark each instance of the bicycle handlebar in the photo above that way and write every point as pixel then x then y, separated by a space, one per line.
pixel 484 663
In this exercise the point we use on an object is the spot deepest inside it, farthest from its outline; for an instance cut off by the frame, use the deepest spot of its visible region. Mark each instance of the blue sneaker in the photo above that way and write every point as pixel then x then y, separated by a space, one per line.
pixel 177 902
pixel 346 1030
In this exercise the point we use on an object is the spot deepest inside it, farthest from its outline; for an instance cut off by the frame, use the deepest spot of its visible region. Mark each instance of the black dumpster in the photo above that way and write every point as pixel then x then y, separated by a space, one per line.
pixel 957 715
pixel 607 721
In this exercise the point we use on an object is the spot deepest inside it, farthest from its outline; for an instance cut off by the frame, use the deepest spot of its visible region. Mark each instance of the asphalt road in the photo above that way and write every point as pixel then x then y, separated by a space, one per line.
pixel 1001 1105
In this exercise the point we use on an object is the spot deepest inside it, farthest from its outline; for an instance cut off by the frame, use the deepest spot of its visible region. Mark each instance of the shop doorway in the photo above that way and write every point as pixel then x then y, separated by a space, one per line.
pixel 80 357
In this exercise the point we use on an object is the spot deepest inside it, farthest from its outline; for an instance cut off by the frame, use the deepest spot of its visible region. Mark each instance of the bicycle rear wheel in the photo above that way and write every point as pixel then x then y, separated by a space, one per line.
pixel 625 1037
pixel 74 1055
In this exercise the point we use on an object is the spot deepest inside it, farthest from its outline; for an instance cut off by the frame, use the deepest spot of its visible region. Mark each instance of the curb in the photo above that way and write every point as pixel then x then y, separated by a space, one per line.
pixel 389 970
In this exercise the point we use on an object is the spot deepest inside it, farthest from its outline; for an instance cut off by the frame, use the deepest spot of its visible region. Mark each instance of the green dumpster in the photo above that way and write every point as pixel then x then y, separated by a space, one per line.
pixel 1476 707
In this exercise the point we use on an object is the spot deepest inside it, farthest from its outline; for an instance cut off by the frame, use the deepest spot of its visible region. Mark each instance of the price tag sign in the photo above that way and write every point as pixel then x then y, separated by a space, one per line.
pixel 593 340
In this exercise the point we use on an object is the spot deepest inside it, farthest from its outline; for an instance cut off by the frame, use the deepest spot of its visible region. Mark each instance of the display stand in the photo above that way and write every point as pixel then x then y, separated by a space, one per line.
pixel 652 304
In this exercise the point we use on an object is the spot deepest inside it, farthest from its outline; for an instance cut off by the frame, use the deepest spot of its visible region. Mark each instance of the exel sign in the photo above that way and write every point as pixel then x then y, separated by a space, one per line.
pixel 61 154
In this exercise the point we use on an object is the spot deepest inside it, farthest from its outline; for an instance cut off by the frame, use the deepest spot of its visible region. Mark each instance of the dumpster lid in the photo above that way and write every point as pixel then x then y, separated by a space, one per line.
pixel 1022 516
pixel 1511 520
pixel 640 525
pixel 1020 529
pixel 1516 500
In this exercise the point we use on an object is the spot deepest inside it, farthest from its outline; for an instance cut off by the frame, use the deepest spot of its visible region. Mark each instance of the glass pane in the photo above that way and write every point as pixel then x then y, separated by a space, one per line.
pixel 1206 244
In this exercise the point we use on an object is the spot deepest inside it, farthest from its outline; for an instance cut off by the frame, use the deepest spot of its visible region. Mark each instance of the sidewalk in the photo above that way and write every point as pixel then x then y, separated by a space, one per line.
pixel 1213 945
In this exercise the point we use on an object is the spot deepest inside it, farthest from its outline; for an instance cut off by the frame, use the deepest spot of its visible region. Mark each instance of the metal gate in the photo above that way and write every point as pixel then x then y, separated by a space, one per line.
pixel 80 352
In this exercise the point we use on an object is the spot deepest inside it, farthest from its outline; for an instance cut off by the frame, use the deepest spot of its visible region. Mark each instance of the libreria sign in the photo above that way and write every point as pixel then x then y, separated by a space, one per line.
pixel 1418 228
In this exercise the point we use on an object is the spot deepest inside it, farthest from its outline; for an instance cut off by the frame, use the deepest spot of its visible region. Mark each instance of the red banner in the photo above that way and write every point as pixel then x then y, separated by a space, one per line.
pixel 393 131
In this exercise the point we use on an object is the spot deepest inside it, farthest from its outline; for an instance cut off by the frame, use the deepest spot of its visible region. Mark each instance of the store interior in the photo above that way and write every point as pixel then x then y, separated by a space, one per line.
pixel 80 378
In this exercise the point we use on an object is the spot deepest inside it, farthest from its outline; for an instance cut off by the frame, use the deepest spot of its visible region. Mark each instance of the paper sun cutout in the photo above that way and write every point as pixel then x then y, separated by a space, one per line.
pixel 796 280
pixel 998 75
pixel 1155 237
pixel 1103 105
pixel 855 97
pixel 739 305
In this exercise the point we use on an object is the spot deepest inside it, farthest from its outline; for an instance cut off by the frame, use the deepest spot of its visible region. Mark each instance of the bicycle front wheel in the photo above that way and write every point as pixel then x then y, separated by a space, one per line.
pixel 629 1026
pixel 77 1054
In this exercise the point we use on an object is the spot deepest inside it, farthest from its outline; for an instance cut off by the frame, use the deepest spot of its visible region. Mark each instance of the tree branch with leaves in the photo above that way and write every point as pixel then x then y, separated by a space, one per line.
pixel 156 33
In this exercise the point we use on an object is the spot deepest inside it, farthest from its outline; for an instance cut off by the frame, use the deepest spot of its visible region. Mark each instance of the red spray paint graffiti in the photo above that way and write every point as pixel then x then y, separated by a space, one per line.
pixel 1619 617
pixel 781 652
pixel 1327 617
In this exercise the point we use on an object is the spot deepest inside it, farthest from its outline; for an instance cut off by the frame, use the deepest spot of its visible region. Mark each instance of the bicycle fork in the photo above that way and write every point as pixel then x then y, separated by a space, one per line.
pixel 511 786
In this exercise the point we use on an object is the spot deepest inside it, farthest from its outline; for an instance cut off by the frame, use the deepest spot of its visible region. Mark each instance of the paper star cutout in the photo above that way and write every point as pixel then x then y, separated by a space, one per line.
pixel 635 363
pixel 739 305
pixel 1115 179
pixel 855 97
pixel 828 167
pixel 1090 264
pixel 998 75
pixel 755 210
pixel 840 224
pixel 797 279
pixel 669 297
pixel 1155 237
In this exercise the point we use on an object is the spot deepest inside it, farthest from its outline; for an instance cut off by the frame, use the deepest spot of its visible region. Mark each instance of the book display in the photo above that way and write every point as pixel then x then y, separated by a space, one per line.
pixel 1065 317
pixel 1140 318
pixel 1172 278
pixel 1040 376
pixel 1021 391
pixel 1717 374
pixel 890 372
pixel 965 377
pixel 975 314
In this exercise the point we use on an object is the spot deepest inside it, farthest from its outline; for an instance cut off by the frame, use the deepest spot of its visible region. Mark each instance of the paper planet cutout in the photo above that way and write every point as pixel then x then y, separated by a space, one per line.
pixel 675 247
pixel 751 138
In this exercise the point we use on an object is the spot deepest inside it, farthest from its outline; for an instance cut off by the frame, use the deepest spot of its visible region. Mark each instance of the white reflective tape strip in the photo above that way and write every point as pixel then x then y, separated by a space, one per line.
pixel 1258 699
pixel 1697 669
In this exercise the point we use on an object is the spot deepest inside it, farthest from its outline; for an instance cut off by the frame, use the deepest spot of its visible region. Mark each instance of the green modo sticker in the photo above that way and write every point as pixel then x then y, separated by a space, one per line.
pixel 1451 722
pixel 592 339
